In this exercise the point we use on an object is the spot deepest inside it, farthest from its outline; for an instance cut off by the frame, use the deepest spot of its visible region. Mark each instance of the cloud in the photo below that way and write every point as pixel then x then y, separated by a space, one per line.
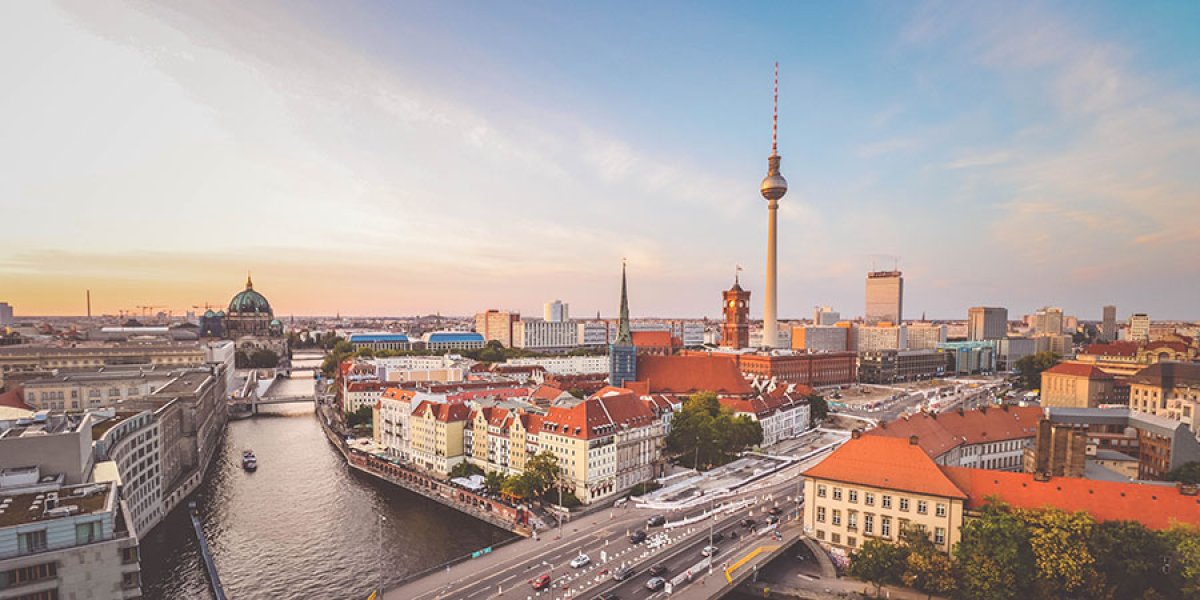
pixel 984 160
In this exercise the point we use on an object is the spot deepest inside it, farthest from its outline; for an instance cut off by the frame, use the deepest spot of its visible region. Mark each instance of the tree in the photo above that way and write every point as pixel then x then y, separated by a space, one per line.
pixel 1184 547
pixel 1064 566
pixel 1030 367
pixel 493 481
pixel 1129 558
pixel 362 416
pixel 994 558
pixel 543 472
pixel 465 469
pixel 879 563
pixel 706 433
pixel 818 409
pixel 1188 472
pixel 927 569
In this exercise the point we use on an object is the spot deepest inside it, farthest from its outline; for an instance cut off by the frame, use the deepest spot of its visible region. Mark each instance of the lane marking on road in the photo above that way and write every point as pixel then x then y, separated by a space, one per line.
pixel 746 559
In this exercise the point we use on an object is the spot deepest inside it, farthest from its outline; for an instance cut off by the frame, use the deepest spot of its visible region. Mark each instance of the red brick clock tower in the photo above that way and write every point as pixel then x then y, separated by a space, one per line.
pixel 735 332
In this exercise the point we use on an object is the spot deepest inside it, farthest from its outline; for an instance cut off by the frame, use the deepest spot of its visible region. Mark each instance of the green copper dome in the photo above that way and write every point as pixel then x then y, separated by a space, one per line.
pixel 249 301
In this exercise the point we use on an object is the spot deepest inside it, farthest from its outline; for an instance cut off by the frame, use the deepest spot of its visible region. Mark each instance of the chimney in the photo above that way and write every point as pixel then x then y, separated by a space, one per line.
pixel 983 409
pixel 961 411
pixel 912 440
pixel 1042 476
pixel 1188 489
pixel 857 433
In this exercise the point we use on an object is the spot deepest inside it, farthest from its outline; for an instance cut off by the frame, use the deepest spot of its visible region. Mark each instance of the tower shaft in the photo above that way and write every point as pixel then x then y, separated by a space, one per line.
pixel 770 323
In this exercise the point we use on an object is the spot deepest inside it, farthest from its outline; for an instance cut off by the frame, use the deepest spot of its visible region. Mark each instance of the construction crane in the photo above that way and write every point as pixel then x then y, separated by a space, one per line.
pixel 148 308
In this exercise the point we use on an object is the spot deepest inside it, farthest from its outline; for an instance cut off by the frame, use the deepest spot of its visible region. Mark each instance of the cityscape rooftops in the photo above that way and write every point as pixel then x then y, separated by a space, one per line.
pixel 447 337
pixel 1168 374
pixel 186 384
pixel 691 374
pixel 1076 369
pixel 886 463
pixel 371 338
pixel 598 416
pixel 941 432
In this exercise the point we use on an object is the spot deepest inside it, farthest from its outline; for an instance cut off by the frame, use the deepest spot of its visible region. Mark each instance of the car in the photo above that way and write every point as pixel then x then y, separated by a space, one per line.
pixel 623 574
pixel 655 521
pixel 540 583
pixel 710 551
pixel 771 520
pixel 580 561
pixel 656 570
pixel 607 596
pixel 718 536
pixel 748 523
pixel 775 510
pixel 656 583
pixel 637 537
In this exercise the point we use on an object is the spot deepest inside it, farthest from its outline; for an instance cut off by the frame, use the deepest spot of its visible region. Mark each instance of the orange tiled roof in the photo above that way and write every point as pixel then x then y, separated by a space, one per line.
pixel 691 374
pixel 1078 370
pixel 443 412
pixel 14 398
pixel 939 434
pixel 394 393
pixel 888 463
pixel 1113 349
pixel 546 392
pixel 652 339
pixel 1155 506
pixel 598 416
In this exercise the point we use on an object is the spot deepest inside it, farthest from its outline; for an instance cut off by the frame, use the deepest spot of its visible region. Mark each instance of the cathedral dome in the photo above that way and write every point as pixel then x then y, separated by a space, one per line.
pixel 249 301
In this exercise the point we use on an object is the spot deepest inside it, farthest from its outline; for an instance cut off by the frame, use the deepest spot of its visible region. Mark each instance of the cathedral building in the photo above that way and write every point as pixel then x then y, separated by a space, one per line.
pixel 249 322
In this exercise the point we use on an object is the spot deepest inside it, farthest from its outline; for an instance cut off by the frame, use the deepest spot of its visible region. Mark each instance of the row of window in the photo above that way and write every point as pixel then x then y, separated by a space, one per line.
pixel 26 575
pixel 939 535
pixel 885 500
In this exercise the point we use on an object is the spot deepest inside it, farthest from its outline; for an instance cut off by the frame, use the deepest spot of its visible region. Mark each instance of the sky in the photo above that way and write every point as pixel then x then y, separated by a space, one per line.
pixel 398 158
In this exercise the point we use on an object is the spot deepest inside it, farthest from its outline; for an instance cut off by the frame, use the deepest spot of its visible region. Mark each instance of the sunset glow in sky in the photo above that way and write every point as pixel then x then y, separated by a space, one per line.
pixel 382 158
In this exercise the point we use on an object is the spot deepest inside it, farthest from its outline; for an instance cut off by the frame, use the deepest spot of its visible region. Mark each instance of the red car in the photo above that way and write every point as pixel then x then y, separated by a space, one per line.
pixel 540 583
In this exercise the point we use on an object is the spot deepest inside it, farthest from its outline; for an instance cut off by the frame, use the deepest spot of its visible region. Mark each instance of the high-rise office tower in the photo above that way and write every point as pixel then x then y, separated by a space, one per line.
pixel 1048 320
pixel 987 323
pixel 556 312
pixel 1108 325
pixel 735 331
pixel 1139 327
pixel 6 315
pixel 774 186
pixel 885 297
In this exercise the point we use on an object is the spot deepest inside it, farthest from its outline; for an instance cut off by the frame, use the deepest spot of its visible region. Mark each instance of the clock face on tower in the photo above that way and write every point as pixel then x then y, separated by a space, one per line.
pixel 732 303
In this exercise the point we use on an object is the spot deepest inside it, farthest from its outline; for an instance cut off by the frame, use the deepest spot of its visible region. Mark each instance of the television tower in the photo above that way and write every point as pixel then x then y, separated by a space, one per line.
pixel 774 186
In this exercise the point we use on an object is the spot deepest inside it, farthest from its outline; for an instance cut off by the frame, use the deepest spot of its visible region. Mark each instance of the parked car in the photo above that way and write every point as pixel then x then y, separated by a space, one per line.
pixel 607 596
pixel 656 583
pixel 656 570
pixel 540 583
pixel 710 551
pixel 771 520
pixel 655 521
pixel 623 574
pixel 580 561
pixel 775 510
pixel 637 537
pixel 718 536
pixel 748 523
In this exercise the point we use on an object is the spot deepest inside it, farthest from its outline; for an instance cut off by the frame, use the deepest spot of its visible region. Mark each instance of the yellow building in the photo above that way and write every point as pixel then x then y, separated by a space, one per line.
pixel 1076 385
pixel 1168 389
pixel 437 436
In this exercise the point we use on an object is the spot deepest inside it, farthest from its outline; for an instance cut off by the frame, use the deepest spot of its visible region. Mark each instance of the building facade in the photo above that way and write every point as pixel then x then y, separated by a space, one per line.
pixel 556 312
pixel 824 338
pixel 1139 327
pixel 1076 385
pixel 987 323
pixel 1108 324
pixel 892 366
pixel 534 334
pixel 735 331
pixel 885 297
pixel 496 325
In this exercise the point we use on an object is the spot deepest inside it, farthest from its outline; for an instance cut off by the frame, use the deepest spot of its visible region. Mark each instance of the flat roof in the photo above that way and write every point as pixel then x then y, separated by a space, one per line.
pixel 188 383
pixel 30 508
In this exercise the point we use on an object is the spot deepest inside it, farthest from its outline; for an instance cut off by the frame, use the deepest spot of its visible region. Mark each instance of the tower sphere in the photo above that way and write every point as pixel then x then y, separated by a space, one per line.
pixel 774 187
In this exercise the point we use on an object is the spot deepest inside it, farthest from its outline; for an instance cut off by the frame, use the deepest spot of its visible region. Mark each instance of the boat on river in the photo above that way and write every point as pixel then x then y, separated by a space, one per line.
pixel 249 462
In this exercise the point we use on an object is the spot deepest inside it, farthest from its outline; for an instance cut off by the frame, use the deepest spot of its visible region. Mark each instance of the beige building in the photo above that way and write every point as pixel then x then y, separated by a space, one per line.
pixel 885 297
pixel 987 323
pixel 1168 389
pixel 437 436
pixel 88 389
pixel 924 336
pixel 1076 385
pixel 46 358
pixel 874 487
pixel 496 325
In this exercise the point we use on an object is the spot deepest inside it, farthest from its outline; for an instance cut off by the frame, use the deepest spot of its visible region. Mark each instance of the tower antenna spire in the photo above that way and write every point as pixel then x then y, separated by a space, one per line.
pixel 775 115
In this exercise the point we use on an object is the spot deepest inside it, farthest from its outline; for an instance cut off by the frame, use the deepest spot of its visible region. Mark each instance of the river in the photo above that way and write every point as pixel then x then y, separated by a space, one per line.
pixel 304 525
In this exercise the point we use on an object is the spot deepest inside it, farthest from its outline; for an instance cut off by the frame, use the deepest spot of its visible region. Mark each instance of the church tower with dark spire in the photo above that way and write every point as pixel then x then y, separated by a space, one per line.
pixel 622 354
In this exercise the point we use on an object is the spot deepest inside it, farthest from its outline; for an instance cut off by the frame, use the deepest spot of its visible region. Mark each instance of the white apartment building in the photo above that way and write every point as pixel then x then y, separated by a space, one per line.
pixel 924 336
pixel 593 333
pixel 1139 327
pixel 873 338
pixel 536 334
pixel 565 365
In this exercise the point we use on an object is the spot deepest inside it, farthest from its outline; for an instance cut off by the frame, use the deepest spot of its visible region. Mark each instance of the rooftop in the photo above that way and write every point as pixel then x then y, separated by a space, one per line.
pixel 369 338
pixel 887 463
pixel 21 509
pixel 691 374
pixel 1075 369
pixel 186 384
pixel 942 432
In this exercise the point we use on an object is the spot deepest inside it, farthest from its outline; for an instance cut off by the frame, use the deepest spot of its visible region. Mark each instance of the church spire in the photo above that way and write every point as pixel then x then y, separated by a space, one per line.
pixel 623 335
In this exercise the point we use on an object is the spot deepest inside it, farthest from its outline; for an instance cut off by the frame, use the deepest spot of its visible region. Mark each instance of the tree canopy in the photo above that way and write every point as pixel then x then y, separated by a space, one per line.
pixel 1188 472
pixel 1030 367
pixel 706 434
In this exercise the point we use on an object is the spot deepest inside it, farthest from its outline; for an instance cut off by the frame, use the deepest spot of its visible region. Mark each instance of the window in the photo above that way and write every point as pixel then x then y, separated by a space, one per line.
pixel 851 541
pixel 836 538
pixel 837 493
pixel 869 524
pixel 885 527
pixel 837 518
pixel 852 520
pixel 820 491
pixel 939 536
pixel 820 514
pixel 27 575
pixel 131 580
pixel 904 504
pixel 922 507
pixel 86 533
pixel 940 509
pixel 820 534
pixel 887 501
pixel 854 496
pixel 869 498
pixel 33 541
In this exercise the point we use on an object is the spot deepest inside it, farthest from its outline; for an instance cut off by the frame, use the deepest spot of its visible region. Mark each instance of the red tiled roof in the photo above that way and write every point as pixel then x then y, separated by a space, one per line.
pixel 1112 349
pixel 532 423
pixel 395 393
pixel 949 430
pixel 546 392
pixel 1155 506
pixel 598 416
pixel 887 463
pixel 365 386
pixel 752 406
pixel 691 374
pixel 652 339
pixel 444 412
pixel 1075 369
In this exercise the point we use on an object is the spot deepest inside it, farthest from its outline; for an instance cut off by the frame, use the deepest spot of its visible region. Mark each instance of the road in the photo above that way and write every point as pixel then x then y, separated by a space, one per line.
pixel 609 536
